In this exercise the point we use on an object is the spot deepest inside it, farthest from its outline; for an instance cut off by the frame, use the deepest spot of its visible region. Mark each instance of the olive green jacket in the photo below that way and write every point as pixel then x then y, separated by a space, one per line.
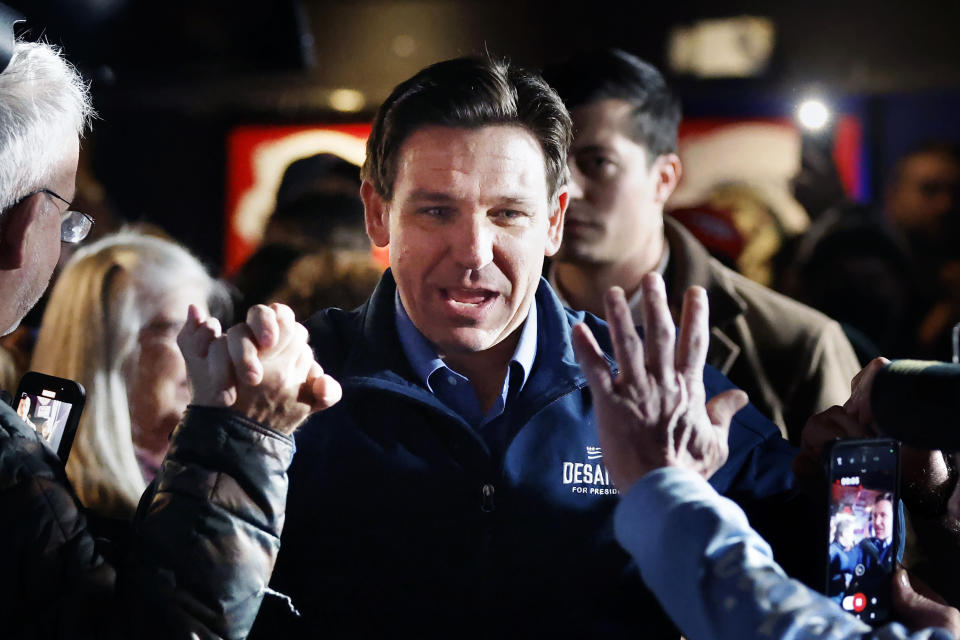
pixel 792 360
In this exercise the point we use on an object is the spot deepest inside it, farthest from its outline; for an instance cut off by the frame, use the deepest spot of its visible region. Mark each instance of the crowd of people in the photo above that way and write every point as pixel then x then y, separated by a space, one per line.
pixel 554 414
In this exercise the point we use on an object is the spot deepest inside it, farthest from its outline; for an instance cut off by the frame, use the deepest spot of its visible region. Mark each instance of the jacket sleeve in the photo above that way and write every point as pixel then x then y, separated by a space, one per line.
pixel 716 577
pixel 823 380
pixel 207 534
pixel 201 551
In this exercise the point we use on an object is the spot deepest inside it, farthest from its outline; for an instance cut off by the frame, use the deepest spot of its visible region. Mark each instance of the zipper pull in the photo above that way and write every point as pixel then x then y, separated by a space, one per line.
pixel 486 502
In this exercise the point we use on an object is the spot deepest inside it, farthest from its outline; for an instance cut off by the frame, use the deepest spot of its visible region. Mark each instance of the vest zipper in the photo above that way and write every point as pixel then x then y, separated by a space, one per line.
pixel 486 498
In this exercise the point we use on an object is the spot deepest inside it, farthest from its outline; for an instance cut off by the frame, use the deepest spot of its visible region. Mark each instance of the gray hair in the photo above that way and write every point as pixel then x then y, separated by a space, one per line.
pixel 108 292
pixel 43 101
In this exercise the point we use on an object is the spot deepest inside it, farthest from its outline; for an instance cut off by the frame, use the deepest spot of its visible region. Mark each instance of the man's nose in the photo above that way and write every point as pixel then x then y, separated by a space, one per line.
pixel 473 245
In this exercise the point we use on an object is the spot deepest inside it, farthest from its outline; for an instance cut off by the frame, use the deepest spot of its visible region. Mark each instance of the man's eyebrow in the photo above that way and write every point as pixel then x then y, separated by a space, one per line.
pixel 516 200
pixel 590 148
pixel 423 195
pixel 431 196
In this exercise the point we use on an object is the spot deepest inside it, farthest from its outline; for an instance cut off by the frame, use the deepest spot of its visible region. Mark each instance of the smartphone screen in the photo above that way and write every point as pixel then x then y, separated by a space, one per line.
pixel 864 531
pixel 52 407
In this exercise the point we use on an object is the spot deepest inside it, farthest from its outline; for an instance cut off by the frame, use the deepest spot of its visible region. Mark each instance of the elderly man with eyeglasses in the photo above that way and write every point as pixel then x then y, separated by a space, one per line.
pixel 206 535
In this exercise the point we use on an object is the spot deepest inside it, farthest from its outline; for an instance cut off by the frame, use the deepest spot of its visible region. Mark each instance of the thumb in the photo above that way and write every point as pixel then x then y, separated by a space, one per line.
pixel 722 407
pixel 325 391
pixel 919 607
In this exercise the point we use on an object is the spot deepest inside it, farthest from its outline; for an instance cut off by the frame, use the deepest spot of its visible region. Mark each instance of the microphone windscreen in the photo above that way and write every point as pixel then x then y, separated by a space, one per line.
pixel 918 403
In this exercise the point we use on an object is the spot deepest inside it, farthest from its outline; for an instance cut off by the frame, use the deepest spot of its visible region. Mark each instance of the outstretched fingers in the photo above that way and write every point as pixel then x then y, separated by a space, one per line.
pixel 659 333
pixel 592 362
pixel 694 339
pixel 627 347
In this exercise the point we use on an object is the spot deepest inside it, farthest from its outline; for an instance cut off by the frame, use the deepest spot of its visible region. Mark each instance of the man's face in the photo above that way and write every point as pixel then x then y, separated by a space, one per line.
pixel 846 538
pixel 43 234
pixel 883 519
pixel 468 226
pixel 616 199
pixel 927 189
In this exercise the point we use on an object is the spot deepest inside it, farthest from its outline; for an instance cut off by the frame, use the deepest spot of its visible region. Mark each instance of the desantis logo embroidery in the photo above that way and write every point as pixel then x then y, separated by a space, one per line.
pixel 588 477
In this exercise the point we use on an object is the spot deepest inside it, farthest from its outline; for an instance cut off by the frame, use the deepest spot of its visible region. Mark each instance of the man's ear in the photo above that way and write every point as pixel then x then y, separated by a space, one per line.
pixel 376 214
pixel 555 222
pixel 668 170
pixel 15 231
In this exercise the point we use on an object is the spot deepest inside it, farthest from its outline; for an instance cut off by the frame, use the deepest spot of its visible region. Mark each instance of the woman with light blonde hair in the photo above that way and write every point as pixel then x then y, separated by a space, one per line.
pixel 111 324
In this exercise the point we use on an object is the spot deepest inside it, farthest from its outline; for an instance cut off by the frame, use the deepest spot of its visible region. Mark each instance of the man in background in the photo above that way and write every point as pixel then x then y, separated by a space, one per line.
pixel 873 557
pixel 791 360
pixel 922 205
pixel 922 196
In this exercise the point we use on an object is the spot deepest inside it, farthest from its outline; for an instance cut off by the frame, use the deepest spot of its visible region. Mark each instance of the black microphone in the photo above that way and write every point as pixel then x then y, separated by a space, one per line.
pixel 918 403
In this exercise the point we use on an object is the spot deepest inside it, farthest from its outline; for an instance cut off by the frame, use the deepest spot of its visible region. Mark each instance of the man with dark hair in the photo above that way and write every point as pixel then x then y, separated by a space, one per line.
pixel 437 96
pixel 922 206
pixel 873 558
pixel 922 195
pixel 790 359
pixel 459 488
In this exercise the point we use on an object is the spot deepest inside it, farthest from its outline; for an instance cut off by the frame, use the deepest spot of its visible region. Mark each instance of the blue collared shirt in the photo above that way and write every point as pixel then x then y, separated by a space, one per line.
pixel 453 388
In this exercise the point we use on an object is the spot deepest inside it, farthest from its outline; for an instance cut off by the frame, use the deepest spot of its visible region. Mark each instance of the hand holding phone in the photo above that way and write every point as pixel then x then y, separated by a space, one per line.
pixel 864 533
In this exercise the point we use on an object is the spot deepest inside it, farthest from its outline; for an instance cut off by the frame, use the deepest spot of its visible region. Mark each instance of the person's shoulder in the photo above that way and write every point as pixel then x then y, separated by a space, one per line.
pixel 557 321
pixel 748 426
pixel 766 300
pixel 331 320
pixel 777 318
pixel 783 316
pixel 332 331
pixel 598 327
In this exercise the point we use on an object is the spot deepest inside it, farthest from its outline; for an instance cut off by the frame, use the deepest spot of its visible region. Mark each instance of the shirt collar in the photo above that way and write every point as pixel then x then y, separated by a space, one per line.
pixel 425 360
pixel 635 300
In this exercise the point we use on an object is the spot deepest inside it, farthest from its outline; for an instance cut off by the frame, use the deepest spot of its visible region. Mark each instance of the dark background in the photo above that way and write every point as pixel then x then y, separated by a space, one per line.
pixel 170 79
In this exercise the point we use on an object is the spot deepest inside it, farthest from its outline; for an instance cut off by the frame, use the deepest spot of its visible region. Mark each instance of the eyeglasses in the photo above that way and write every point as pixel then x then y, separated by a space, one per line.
pixel 74 225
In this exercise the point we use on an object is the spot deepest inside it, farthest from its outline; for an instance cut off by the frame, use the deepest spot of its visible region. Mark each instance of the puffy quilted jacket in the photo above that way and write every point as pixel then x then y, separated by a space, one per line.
pixel 194 565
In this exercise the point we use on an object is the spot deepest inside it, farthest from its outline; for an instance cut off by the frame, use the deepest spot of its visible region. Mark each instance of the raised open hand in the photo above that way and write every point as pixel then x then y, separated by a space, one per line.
pixel 653 413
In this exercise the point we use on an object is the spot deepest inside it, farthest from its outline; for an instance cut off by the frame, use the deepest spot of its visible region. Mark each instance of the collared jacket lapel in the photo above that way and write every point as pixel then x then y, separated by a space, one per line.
pixel 792 360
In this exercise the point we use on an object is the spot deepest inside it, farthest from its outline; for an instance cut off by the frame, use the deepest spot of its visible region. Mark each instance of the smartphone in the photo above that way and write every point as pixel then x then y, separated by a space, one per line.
pixel 52 406
pixel 864 537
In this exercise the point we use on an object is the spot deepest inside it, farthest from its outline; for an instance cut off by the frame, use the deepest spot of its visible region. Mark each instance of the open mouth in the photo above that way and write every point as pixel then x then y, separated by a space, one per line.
pixel 468 298
pixel 471 305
